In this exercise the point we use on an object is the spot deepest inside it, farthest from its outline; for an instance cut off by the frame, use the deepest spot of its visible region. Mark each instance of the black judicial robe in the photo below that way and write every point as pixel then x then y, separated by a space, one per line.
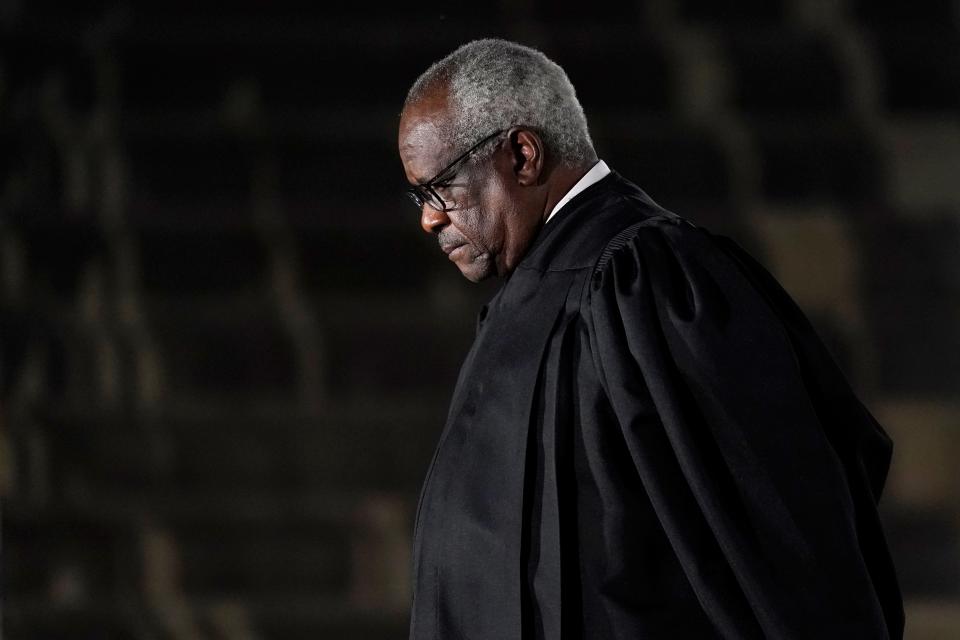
pixel 647 440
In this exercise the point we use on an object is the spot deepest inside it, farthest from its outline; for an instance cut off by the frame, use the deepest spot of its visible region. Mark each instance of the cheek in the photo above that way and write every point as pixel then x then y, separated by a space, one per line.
pixel 472 225
pixel 482 223
pixel 490 222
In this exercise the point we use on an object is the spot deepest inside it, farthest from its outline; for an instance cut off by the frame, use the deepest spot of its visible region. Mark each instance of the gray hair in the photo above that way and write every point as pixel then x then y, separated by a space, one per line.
pixel 496 84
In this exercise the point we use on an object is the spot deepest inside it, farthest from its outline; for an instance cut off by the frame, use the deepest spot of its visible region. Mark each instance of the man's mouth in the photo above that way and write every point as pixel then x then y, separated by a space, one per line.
pixel 450 248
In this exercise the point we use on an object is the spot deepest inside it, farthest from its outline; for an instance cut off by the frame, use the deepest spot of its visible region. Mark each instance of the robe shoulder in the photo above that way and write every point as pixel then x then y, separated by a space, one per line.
pixel 669 275
pixel 582 229
pixel 760 461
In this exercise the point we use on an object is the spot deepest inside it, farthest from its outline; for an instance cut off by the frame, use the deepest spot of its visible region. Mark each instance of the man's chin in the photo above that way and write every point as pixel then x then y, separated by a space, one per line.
pixel 478 269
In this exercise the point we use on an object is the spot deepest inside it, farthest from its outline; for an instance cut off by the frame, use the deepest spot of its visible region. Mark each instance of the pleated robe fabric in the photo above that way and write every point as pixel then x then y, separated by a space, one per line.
pixel 647 440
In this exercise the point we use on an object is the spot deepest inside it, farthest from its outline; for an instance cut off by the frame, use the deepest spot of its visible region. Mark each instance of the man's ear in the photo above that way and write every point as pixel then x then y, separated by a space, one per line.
pixel 527 149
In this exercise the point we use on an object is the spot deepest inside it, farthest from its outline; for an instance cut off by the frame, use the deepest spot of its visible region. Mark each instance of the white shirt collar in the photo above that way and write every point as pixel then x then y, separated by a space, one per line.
pixel 596 173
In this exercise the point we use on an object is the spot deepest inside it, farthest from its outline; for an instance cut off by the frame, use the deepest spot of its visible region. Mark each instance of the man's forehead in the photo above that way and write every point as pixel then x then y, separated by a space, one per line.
pixel 422 138
pixel 421 132
pixel 424 120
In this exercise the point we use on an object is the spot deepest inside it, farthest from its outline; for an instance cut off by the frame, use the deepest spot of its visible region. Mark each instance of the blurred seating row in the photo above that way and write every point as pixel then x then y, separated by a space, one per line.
pixel 226 532
pixel 281 570
pixel 206 310
pixel 219 179
pixel 240 351
pixel 276 71
pixel 725 12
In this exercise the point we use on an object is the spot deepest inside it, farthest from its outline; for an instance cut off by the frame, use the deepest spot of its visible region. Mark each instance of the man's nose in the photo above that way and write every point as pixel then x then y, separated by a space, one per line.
pixel 432 220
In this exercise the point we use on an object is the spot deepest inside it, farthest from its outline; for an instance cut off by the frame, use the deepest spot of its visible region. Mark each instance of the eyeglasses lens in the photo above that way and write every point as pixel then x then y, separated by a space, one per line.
pixel 421 195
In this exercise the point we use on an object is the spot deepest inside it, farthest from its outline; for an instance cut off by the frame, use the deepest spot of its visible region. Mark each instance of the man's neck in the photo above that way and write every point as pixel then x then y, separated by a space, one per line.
pixel 562 180
pixel 594 173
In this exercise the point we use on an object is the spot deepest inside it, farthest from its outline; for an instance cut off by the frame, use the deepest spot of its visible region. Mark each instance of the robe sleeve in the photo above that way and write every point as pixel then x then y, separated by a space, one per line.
pixel 763 503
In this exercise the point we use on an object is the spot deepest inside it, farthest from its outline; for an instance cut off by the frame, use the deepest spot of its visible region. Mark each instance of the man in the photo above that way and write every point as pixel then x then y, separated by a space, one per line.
pixel 646 439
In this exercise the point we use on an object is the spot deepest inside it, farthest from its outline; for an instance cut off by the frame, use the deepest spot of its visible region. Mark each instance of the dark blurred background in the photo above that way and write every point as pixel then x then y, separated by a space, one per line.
pixel 226 346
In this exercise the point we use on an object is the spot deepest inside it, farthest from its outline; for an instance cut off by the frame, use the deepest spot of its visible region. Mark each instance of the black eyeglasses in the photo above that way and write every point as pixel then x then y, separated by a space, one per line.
pixel 425 192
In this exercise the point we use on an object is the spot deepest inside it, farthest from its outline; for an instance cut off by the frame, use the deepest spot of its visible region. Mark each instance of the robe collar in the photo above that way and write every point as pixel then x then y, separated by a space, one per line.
pixel 596 173
pixel 580 222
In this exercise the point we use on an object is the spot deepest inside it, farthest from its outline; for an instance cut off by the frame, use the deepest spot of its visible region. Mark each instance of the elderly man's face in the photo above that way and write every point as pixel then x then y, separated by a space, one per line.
pixel 474 232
